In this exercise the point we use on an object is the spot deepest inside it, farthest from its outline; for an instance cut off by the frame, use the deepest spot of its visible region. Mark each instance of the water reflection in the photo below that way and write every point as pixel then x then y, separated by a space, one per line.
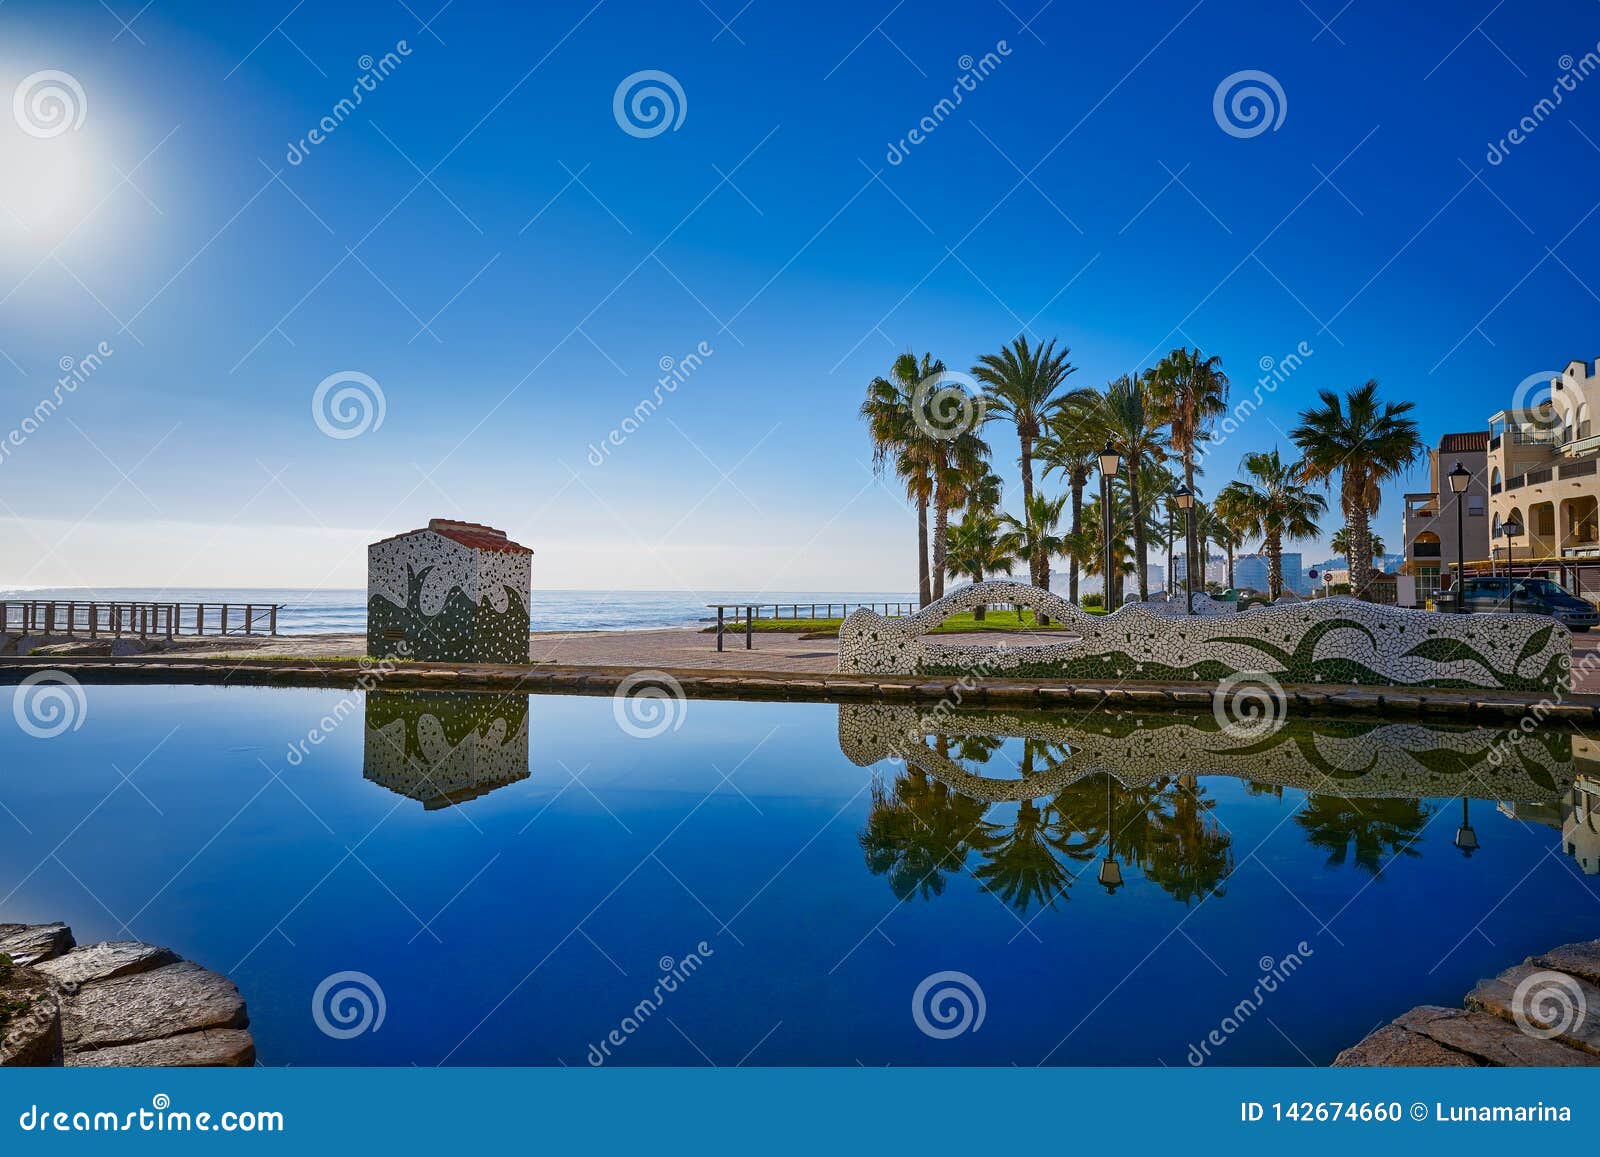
pixel 1126 790
pixel 445 747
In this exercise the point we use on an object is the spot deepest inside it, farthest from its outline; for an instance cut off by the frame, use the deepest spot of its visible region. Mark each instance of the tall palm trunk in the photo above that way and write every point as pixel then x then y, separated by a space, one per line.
pixel 1230 564
pixel 1360 527
pixel 941 529
pixel 1140 548
pixel 1189 543
pixel 1034 560
pixel 1079 480
pixel 980 610
pixel 924 591
pixel 1274 566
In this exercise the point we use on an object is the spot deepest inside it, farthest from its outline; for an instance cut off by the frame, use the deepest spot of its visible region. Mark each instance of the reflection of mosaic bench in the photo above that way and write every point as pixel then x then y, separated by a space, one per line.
pixel 1331 640
pixel 443 748
pixel 1353 759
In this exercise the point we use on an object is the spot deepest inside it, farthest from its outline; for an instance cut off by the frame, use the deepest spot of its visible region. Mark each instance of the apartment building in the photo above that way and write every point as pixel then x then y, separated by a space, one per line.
pixel 1430 520
pixel 1541 463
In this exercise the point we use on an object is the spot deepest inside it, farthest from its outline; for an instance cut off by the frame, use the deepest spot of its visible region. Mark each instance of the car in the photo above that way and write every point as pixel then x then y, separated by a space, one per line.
pixel 1531 596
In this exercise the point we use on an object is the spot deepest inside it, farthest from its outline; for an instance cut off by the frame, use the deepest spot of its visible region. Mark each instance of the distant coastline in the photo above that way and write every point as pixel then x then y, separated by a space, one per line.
pixel 344 610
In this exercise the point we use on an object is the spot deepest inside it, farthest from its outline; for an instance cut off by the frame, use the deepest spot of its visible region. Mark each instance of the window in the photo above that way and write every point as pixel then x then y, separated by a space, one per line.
pixel 1475 504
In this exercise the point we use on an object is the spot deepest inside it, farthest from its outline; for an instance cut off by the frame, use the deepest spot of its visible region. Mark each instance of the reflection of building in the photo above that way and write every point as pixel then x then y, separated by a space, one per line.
pixel 445 747
pixel 1576 814
pixel 450 592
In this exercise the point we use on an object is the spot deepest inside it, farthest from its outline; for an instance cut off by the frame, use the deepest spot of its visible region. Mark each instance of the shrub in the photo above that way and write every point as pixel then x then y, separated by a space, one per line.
pixel 1094 599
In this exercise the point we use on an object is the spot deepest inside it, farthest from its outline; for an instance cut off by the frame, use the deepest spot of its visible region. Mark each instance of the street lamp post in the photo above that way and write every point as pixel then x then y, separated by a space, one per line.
pixel 1459 477
pixel 1110 464
pixel 1511 528
pixel 1184 498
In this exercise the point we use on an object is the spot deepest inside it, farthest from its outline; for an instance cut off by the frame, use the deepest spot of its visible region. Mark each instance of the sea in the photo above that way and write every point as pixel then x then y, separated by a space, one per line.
pixel 306 612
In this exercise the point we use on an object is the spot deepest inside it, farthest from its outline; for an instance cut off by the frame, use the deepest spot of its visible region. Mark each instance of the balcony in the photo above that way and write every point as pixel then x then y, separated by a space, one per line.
pixel 1581 469
pixel 1425 550
pixel 1535 477
pixel 1494 487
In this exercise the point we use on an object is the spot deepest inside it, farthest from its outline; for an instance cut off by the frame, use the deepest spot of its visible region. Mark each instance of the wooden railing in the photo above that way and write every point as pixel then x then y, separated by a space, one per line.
pixel 748 613
pixel 136 619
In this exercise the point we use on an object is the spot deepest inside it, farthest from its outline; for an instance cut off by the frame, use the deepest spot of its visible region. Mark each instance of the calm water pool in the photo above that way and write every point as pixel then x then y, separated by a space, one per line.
pixel 517 877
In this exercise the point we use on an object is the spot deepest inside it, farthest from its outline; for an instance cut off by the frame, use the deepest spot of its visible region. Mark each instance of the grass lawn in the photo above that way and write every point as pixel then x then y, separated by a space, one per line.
pixel 997 619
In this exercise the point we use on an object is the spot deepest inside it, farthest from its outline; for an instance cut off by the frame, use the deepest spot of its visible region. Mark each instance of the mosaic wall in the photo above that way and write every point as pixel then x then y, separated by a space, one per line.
pixel 1332 640
pixel 446 601
pixel 1349 758
pixel 445 747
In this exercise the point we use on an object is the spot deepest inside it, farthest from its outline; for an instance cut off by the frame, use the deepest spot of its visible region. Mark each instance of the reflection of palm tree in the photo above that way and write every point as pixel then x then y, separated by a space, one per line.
pixel 919 832
pixel 1377 831
pixel 1197 854
pixel 1021 868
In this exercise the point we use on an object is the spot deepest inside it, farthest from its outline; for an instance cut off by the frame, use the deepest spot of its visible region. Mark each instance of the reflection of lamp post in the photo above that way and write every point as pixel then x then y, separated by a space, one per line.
pixel 1459 477
pixel 1511 528
pixel 1184 498
pixel 1110 464
pixel 1466 838
pixel 1110 870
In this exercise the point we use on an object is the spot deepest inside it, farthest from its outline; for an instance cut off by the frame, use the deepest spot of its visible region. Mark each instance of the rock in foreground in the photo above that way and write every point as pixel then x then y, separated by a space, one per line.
pixel 116 1003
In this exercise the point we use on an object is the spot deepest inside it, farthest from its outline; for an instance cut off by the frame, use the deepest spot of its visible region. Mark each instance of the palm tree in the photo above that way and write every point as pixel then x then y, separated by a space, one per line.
pixel 1341 543
pixel 981 546
pixel 1023 383
pixel 890 411
pixel 1190 390
pixel 1271 503
pixel 918 832
pixel 1133 431
pixel 1071 444
pixel 961 461
pixel 1094 554
pixel 1224 531
pixel 1037 535
pixel 1366 443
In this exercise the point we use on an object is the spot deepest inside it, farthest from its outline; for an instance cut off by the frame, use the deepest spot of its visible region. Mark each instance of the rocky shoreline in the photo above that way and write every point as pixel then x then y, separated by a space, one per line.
pixel 117 1003
pixel 1544 1012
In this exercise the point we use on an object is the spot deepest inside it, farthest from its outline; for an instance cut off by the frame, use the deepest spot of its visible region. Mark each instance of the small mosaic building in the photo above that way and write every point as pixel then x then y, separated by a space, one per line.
pixel 450 592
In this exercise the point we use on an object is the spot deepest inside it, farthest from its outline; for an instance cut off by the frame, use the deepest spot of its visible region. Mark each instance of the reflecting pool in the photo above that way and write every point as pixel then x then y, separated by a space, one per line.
pixel 563 880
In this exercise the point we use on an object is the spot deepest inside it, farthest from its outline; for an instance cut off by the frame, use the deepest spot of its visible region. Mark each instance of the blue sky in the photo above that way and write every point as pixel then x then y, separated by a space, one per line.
pixel 483 240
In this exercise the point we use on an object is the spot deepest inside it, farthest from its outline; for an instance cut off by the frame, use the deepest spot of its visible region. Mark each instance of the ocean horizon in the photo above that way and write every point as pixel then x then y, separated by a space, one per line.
pixel 306 612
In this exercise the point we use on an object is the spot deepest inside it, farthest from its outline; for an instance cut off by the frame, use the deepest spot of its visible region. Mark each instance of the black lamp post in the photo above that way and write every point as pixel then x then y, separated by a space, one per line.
pixel 1184 499
pixel 1511 528
pixel 1110 870
pixel 1459 477
pixel 1466 838
pixel 1110 465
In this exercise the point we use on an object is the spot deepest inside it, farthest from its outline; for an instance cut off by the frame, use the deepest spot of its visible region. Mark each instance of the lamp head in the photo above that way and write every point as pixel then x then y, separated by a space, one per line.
pixel 1459 477
pixel 1110 461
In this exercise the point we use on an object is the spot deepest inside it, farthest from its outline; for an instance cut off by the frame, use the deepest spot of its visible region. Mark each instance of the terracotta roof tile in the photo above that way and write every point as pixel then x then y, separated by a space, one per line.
pixel 1463 443
pixel 469 534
